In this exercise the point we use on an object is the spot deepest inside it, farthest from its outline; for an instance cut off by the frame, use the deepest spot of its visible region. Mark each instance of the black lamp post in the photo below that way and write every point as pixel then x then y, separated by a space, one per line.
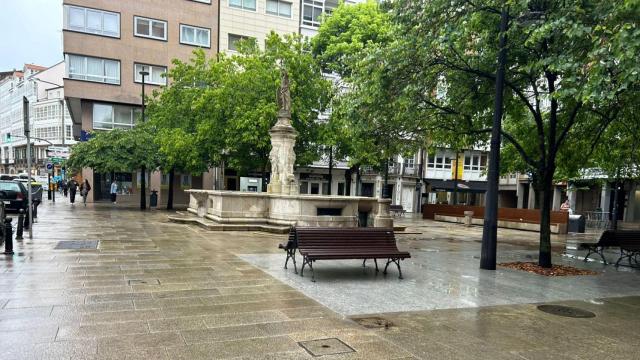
pixel 143 180
pixel 490 229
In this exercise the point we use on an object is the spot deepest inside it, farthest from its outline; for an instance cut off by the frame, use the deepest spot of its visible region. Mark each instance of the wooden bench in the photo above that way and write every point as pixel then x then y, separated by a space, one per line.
pixel 397 210
pixel 347 243
pixel 627 240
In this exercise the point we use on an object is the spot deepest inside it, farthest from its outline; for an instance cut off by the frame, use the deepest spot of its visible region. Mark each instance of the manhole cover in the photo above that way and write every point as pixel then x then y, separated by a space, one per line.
pixel 144 282
pixel 566 311
pixel 77 244
pixel 323 347
pixel 374 322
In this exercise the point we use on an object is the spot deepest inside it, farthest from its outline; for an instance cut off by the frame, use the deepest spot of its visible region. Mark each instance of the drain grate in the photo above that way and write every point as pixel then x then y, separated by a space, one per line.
pixel 76 244
pixel 566 311
pixel 374 322
pixel 144 282
pixel 330 346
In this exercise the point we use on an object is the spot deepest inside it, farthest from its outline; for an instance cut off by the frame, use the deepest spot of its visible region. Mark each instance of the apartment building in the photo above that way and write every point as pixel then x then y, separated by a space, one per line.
pixel 50 122
pixel 312 12
pixel 242 19
pixel 106 45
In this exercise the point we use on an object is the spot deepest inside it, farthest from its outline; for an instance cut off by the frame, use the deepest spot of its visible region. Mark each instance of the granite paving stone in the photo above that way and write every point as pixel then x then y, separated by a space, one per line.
pixel 225 295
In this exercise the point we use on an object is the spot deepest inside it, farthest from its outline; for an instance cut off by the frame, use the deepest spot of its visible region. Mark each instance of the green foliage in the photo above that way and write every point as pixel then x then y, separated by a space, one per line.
pixel 223 109
pixel 347 32
pixel 116 151
pixel 364 126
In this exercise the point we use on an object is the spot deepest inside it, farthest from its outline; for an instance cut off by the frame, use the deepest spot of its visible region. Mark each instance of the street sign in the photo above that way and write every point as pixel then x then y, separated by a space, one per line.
pixel 58 152
pixel 49 167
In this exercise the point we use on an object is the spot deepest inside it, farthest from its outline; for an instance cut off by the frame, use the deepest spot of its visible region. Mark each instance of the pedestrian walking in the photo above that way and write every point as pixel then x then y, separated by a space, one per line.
pixel 114 191
pixel 65 188
pixel 84 191
pixel 73 188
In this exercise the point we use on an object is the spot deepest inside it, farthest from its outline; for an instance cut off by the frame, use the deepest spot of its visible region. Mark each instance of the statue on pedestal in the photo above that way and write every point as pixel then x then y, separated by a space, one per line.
pixel 283 139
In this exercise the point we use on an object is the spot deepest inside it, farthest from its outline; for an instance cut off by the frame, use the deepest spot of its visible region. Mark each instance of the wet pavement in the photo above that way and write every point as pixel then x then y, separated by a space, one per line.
pixel 157 290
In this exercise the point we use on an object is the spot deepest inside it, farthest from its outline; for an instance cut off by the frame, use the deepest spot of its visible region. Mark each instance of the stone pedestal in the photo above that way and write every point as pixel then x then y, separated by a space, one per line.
pixel 283 157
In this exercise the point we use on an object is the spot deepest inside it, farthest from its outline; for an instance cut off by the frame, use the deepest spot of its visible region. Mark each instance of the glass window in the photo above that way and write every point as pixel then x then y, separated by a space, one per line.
pixel 107 116
pixel 278 7
pixel 89 68
pixel 196 36
pixel 243 4
pixel 150 28
pixel 311 12
pixel 155 74
pixel 91 21
pixel 234 39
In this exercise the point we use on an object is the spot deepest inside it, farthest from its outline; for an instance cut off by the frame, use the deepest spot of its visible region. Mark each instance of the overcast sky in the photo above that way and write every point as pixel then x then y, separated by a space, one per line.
pixel 30 32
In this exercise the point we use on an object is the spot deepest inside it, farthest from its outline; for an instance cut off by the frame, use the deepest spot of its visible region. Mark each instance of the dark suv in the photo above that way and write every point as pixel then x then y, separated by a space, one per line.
pixel 16 195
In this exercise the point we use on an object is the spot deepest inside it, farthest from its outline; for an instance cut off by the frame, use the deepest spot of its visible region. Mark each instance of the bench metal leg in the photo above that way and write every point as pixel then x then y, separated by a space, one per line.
pixel 363 262
pixel 291 254
pixel 304 262
pixel 376 262
pixel 313 274
pixel 395 261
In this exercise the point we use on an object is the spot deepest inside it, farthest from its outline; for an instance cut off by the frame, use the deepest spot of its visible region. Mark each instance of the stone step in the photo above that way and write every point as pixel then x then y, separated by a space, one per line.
pixel 214 226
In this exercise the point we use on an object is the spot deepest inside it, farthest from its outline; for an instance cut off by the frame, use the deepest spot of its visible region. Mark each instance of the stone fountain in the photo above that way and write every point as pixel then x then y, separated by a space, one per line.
pixel 282 204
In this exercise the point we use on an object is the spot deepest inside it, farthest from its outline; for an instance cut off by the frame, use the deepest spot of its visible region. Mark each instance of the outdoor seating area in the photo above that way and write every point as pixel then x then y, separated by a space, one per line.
pixel 628 241
pixel 343 244
pixel 397 210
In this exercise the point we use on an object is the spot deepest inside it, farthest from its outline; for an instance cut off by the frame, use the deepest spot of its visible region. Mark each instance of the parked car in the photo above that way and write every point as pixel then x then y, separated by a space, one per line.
pixel 36 188
pixel 16 195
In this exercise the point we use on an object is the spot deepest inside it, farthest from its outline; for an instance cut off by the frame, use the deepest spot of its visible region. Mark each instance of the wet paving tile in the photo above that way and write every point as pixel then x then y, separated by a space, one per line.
pixel 157 290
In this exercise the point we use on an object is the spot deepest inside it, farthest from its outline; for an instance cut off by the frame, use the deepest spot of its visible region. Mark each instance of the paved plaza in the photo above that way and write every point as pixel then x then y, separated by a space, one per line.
pixel 152 289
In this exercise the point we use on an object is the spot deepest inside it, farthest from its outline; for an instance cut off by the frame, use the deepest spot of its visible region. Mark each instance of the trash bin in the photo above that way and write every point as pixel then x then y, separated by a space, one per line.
pixel 153 198
pixel 576 224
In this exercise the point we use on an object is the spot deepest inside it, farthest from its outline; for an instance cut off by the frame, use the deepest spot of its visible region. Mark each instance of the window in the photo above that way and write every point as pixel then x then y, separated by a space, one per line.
pixel 92 21
pixel 311 12
pixel 89 68
pixel 155 74
pixel 278 7
pixel 475 162
pixel 243 4
pixel 107 116
pixel 408 163
pixel 67 132
pixel 150 28
pixel 234 39
pixel 196 36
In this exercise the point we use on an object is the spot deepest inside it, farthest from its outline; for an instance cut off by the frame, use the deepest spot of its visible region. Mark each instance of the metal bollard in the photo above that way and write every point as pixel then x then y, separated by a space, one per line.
pixel 26 221
pixel 20 225
pixel 8 237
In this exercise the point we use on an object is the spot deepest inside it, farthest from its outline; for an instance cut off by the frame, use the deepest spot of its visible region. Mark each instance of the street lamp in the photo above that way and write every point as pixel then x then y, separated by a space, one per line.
pixel 490 228
pixel 143 180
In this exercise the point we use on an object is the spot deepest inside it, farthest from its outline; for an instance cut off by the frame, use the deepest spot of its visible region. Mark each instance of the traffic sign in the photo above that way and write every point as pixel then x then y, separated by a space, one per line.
pixel 49 167
pixel 58 152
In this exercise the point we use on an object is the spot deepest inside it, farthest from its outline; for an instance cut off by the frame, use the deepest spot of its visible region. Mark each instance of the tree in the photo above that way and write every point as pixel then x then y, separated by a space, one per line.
pixel 344 35
pixel 187 130
pixel 348 44
pixel 566 61
pixel 116 150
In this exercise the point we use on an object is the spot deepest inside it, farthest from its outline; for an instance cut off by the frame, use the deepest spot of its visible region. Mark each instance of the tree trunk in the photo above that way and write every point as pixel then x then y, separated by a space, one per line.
pixel 347 181
pixel 546 193
pixel 172 174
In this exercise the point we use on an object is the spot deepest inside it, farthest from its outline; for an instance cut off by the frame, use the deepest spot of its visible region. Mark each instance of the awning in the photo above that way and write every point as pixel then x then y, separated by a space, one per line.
pixel 463 186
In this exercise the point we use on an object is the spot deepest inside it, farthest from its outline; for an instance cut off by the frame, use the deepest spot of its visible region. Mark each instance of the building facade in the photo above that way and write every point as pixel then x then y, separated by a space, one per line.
pixel 106 45
pixel 243 19
pixel 50 123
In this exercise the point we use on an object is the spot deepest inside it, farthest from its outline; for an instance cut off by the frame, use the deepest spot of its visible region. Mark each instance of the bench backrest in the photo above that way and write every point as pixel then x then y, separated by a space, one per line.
pixel 352 238
pixel 619 237
pixel 395 207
